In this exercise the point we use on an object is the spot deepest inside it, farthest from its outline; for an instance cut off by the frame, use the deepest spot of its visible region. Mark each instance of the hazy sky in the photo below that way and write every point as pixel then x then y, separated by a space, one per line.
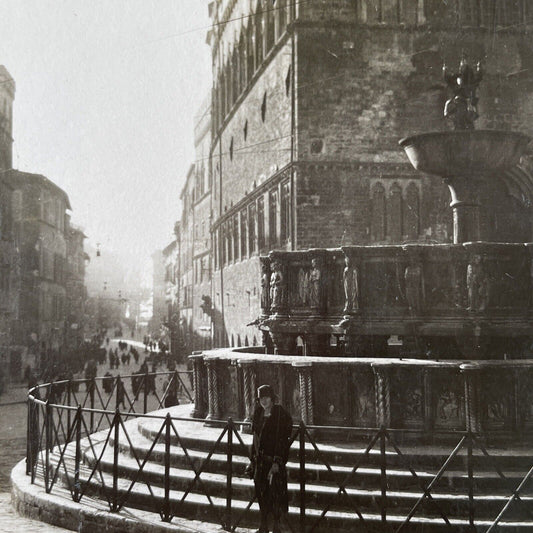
pixel 105 99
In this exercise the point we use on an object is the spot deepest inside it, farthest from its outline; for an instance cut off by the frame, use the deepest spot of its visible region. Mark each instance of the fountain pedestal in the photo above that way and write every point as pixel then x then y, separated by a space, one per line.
pixel 467 161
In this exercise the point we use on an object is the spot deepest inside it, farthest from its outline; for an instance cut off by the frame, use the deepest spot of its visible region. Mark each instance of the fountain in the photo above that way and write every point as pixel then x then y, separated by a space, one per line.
pixel 466 159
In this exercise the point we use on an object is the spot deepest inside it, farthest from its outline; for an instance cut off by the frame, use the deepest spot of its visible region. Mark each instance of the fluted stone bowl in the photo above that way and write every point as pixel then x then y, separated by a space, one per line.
pixel 465 153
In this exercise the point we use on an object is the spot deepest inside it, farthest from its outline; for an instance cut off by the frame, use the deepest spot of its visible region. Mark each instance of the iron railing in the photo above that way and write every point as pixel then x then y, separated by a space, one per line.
pixel 80 446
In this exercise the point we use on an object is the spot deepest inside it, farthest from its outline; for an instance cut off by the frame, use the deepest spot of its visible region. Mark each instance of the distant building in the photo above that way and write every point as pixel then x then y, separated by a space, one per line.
pixel 76 295
pixel 7 95
pixel 10 348
pixel 193 235
pixel 40 228
pixel 159 309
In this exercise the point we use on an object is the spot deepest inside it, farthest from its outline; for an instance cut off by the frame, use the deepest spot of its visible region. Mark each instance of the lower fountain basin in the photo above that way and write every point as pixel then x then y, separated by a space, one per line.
pixel 465 153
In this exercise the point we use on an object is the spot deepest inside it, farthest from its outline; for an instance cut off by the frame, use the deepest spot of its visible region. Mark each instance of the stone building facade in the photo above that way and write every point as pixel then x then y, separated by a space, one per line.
pixel 76 291
pixel 40 228
pixel 10 349
pixel 7 95
pixel 309 102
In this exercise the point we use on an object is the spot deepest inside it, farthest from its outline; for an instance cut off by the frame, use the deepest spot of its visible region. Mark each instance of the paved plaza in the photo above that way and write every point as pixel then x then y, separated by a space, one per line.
pixel 13 440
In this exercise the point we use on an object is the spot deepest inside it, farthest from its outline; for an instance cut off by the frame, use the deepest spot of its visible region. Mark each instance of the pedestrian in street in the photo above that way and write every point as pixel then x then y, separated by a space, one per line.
pixel 271 428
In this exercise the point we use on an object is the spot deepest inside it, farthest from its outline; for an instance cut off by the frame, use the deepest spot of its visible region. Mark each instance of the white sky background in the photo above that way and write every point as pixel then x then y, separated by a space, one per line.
pixel 104 106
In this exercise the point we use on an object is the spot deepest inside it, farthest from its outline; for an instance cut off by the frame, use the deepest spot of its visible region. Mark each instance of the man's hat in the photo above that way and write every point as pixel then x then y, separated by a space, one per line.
pixel 265 391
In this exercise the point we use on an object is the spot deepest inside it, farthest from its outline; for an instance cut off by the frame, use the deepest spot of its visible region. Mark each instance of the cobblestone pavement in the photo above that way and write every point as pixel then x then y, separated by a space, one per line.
pixel 11 522
pixel 13 434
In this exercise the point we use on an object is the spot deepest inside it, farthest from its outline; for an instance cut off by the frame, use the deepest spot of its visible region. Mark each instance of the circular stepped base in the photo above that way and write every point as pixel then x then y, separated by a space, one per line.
pixel 322 483
pixel 91 514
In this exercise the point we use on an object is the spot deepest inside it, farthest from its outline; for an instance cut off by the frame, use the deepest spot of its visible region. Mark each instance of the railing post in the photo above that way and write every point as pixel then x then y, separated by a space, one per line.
pixel 114 500
pixel 77 457
pixel 35 438
pixel 68 403
pixel 118 394
pixel 229 474
pixel 302 476
pixel 91 397
pixel 28 437
pixel 166 504
pixel 48 444
pixel 145 399
pixel 469 465
pixel 383 476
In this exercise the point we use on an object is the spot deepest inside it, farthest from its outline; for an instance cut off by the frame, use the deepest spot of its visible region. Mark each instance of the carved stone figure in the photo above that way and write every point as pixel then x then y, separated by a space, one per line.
pixel 462 107
pixel 315 285
pixel 276 286
pixel 477 284
pixel 351 286
pixel 265 287
pixel 303 287
pixel 414 287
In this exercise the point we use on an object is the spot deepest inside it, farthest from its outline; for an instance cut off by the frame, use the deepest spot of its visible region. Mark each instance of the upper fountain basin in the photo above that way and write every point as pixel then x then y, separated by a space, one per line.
pixel 463 153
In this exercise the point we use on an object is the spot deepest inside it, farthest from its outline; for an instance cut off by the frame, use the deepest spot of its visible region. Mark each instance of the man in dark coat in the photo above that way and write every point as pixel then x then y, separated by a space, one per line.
pixel 272 428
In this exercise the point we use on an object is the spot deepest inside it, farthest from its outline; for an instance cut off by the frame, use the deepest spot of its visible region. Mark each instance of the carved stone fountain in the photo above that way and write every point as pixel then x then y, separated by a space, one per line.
pixel 407 330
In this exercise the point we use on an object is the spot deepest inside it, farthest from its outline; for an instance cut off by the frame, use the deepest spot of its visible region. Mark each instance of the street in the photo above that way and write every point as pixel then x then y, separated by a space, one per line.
pixel 13 412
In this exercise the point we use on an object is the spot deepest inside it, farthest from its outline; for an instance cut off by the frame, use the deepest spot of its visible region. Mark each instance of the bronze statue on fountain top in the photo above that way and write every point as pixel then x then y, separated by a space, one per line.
pixel 462 107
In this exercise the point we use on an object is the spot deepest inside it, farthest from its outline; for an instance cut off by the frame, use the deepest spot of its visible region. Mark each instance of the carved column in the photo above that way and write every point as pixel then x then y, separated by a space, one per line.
pixel 250 386
pixel 212 390
pixel 472 397
pixel 198 372
pixel 465 208
pixel 382 388
pixel 305 383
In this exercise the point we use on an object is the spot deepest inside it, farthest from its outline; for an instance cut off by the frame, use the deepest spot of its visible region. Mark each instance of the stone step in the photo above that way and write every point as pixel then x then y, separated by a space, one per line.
pixel 198 507
pixel 196 436
pixel 451 501
pixel 367 475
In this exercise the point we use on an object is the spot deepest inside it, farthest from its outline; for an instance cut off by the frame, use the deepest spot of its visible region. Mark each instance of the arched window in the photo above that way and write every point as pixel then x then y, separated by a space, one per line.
pixel 242 62
pixel 222 97
pixel 258 36
pixel 282 17
pixel 270 27
pixel 229 234
pixel 273 218
pixel 395 213
pixel 261 240
pixel 285 212
pixel 235 75
pixel 244 232
pixel 412 212
pixel 236 241
pixel 250 52
pixel 251 228
pixel 378 220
